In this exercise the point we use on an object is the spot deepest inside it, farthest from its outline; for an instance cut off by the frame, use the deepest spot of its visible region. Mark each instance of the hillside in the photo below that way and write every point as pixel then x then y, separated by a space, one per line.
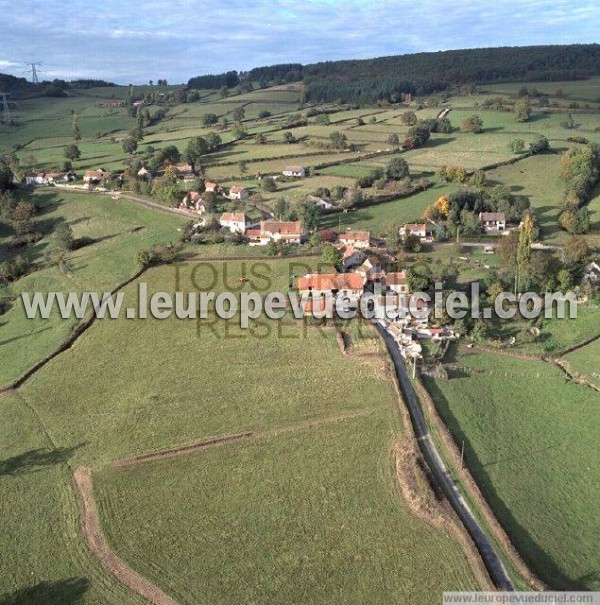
pixel 387 78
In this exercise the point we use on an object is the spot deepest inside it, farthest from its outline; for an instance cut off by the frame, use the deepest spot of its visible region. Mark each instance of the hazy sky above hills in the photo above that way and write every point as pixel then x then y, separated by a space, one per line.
pixel 126 41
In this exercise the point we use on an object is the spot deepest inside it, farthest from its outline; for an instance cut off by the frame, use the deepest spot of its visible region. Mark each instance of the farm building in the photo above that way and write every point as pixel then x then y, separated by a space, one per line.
pixel 289 232
pixel 95 177
pixel 320 284
pixel 185 172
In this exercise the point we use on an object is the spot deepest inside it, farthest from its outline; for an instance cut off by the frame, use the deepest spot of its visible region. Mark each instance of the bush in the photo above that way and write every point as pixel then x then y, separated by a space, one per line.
pixel 14 268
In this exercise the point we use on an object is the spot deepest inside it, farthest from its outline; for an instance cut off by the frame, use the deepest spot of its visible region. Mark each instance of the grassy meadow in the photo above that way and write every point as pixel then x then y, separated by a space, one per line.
pixel 129 387
pixel 119 229
pixel 43 557
pixel 530 444
pixel 45 128
pixel 312 516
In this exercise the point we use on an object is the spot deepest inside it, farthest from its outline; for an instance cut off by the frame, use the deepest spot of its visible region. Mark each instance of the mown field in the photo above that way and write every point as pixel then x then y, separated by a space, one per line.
pixel 307 517
pixel 530 444
pixel 43 557
pixel 128 387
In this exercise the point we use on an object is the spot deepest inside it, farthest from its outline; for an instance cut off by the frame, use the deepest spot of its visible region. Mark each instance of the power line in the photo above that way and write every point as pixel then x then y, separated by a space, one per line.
pixel 33 70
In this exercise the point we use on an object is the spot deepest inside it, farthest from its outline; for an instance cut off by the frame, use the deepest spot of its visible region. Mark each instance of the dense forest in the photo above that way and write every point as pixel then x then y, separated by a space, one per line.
pixel 426 73
pixel 229 79
pixel 369 80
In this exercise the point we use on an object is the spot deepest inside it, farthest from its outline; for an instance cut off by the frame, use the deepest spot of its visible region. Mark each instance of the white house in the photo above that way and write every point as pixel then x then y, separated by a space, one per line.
pixel 420 230
pixel 236 222
pixel 238 193
pixel 356 239
pixel 295 171
pixel 211 187
pixel 493 222
pixel 322 202
pixel 144 173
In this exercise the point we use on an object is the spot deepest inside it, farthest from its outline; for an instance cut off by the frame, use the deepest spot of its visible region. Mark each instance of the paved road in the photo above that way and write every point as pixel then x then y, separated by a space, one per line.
pixel 492 562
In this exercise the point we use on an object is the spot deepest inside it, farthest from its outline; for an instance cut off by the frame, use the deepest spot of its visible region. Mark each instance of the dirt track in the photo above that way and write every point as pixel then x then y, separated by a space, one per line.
pixel 82 479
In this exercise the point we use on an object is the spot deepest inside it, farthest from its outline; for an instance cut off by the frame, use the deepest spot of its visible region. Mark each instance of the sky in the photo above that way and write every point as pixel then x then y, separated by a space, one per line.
pixel 134 42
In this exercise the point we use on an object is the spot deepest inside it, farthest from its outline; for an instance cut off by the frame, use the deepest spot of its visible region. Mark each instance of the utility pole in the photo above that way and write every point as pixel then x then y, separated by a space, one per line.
pixel 5 107
pixel 462 455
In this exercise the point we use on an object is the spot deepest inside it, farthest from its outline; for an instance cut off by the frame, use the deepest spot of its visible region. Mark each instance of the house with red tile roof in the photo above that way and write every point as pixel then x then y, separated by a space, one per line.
pixel 289 232
pixel 211 187
pixel 351 284
pixel 397 282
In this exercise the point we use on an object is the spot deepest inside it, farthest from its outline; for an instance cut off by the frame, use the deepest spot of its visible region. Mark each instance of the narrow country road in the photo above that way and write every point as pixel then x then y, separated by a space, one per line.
pixel 491 559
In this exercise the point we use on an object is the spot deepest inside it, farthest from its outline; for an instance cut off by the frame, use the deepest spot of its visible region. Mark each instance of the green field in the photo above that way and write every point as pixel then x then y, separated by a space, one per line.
pixel 311 516
pixel 129 387
pixel 530 444
pixel 45 128
pixel 310 509
pixel 43 557
pixel 99 266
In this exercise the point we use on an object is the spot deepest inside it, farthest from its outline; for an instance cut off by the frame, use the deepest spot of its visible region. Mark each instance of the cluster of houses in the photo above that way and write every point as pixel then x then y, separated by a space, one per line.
pixel 408 321
pixel 49 178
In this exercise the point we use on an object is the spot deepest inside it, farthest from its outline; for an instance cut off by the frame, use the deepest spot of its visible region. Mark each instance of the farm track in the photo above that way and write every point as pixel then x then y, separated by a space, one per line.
pixel 90 521
pixel 90 524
